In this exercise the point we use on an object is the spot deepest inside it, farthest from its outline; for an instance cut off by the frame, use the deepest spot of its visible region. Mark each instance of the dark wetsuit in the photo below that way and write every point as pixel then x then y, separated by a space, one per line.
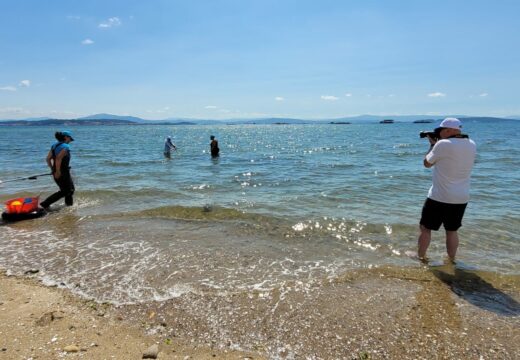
pixel 214 148
pixel 65 181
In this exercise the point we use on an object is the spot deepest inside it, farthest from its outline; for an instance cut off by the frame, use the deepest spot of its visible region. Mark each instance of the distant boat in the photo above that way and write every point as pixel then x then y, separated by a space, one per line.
pixel 423 121
pixel 387 121
pixel 339 122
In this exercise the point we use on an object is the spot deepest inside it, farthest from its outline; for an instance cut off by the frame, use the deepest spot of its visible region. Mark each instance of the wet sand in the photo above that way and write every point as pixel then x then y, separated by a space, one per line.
pixel 39 322
pixel 383 313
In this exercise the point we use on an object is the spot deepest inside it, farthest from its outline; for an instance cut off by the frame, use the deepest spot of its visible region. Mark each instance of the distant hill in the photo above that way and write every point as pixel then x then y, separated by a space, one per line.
pixel 396 118
pixel 38 118
pixel 267 121
pixel 109 119
pixel 485 119
pixel 65 122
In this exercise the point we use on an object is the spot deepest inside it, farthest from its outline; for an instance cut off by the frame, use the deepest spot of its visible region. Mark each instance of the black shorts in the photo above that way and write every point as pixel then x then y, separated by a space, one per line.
pixel 434 213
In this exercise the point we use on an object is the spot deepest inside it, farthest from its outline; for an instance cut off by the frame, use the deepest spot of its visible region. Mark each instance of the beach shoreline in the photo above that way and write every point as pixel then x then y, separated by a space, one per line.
pixel 40 322
pixel 373 314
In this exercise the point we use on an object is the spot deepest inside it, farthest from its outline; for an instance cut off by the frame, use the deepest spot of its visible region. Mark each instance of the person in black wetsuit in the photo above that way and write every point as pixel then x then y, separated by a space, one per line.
pixel 58 159
pixel 214 146
pixel 168 147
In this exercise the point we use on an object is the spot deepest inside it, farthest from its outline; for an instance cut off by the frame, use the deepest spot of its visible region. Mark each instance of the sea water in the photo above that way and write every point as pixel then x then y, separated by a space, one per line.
pixel 282 203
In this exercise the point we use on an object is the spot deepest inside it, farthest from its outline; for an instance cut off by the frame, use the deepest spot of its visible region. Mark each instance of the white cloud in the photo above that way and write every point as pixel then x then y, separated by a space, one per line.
pixel 73 17
pixel 25 83
pixel 64 114
pixel 112 22
pixel 437 94
pixel 8 88
pixel 348 94
pixel 87 42
pixel 483 95
pixel 13 110
pixel 210 107
pixel 279 98
pixel 329 97
pixel 159 111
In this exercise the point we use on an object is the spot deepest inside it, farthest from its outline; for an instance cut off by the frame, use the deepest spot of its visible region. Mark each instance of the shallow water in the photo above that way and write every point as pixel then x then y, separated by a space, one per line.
pixel 299 204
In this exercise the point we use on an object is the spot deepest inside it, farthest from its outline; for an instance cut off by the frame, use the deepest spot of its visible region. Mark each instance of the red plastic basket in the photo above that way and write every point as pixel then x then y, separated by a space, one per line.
pixel 22 205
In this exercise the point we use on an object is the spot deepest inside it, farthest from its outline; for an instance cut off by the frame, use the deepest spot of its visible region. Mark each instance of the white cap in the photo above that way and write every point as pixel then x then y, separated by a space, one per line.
pixel 451 123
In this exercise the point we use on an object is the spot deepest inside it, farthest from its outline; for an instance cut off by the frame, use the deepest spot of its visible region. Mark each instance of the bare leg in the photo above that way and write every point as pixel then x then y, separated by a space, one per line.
pixel 424 241
pixel 452 243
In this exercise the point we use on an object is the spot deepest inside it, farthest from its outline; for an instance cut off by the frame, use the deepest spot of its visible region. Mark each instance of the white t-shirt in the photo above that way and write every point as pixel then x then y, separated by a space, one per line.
pixel 453 160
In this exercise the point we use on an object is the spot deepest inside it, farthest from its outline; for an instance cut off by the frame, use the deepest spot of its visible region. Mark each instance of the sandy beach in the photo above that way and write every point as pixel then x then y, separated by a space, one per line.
pixel 41 322
pixel 381 313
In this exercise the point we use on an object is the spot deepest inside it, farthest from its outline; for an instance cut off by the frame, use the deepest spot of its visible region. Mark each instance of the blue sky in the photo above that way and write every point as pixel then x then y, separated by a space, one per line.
pixel 247 59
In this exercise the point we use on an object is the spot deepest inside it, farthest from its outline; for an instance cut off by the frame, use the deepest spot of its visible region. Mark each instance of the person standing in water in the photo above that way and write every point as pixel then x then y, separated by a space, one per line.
pixel 452 157
pixel 168 147
pixel 214 146
pixel 58 160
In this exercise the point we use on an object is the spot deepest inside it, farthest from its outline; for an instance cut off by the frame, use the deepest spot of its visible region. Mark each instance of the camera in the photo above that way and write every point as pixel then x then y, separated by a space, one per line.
pixel 435 134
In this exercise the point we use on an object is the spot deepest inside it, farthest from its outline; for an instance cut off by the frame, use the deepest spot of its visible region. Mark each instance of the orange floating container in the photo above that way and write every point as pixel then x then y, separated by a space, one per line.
pixel 22 205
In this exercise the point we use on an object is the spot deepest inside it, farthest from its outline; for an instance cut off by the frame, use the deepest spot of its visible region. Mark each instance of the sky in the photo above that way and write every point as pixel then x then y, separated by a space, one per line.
pixel 224 59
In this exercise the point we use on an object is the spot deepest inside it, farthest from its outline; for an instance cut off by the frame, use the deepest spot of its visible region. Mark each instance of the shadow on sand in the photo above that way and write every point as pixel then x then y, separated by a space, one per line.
pixel 472 288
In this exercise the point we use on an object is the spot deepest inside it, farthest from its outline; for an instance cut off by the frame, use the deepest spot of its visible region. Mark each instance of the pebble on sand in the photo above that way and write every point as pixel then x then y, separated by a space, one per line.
pixel 151 352
pixel 71 348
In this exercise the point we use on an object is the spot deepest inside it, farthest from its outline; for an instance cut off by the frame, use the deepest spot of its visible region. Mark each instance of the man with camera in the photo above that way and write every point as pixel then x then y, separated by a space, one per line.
pixel 452 156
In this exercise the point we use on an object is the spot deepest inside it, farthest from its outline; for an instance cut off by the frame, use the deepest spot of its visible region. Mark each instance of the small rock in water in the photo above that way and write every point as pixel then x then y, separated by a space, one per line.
pixel 151 352
pixel 71 348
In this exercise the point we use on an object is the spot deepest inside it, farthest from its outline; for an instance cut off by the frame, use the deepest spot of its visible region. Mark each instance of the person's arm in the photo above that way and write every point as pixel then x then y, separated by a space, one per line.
pixel 428 164
pixel 57 163
pixel 49 159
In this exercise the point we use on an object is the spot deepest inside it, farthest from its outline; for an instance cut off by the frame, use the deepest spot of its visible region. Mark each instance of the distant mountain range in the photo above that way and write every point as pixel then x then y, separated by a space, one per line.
pixel 109 119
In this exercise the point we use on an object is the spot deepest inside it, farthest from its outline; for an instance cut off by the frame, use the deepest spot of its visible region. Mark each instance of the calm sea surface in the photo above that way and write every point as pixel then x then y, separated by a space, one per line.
pixel 299 203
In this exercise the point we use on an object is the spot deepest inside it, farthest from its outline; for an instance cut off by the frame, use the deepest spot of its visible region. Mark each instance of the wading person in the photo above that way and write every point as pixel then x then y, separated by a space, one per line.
pixel 452 156
pixel 214 146
pixel 168 147
pixel 58 160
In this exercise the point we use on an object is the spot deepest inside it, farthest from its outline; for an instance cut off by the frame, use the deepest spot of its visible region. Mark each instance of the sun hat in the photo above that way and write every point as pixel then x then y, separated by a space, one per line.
pixel 68 133
pixel 451 123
